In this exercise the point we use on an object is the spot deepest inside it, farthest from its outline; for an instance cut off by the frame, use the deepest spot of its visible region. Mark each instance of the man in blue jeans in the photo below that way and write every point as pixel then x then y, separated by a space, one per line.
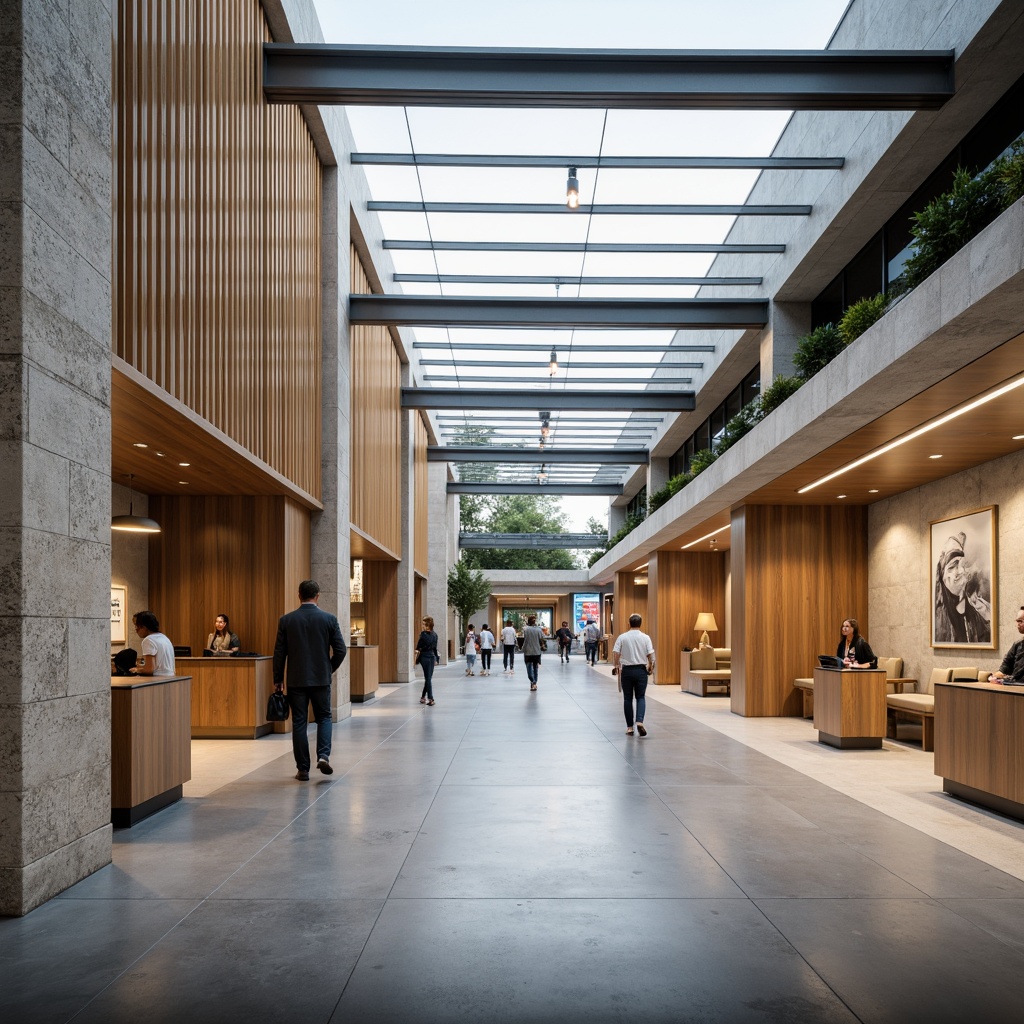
pixel 310 641
pixel 633 655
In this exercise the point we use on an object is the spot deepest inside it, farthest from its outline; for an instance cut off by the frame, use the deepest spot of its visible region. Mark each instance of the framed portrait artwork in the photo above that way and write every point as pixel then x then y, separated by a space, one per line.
pixel 963 580
pixel 118 618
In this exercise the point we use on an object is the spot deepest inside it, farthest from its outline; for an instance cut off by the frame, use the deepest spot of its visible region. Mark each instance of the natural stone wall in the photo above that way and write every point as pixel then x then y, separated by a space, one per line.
pixel 900 574
pixel 55 321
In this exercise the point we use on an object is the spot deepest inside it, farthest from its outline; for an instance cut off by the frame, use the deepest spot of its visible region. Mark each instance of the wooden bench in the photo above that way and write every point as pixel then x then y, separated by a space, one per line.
pixel 920 707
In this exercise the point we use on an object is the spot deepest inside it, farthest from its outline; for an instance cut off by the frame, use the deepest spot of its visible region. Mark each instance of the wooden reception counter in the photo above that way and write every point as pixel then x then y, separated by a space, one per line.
pixel 150 749
pixel 364 677
pixel 979 744
pixel 849 707
pixel 229 696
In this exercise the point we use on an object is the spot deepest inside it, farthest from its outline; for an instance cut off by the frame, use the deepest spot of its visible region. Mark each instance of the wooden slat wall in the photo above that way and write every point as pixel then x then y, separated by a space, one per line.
pixel 380 587
pixel 629 598
pixel 681 585
pixel 797 573
pixel 420 497
pixel 218 221
pixel 376 419
pixel 243 556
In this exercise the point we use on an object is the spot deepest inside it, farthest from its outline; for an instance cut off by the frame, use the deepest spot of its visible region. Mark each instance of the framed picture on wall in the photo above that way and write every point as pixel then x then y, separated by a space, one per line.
pixel 963 580
pixel 118 616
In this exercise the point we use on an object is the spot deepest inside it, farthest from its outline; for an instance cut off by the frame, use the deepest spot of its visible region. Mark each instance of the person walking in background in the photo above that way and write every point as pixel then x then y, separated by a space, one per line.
pixel 633 655
pixel 471 646
pixel 426 656
pixel 564 637
pixel 486 647
pixel 591 639
pixel 508 647
pixel 533 644
pixel 309 641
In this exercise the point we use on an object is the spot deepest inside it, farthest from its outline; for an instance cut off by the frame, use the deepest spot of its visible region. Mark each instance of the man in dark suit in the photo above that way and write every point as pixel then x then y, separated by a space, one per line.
pixel 310 641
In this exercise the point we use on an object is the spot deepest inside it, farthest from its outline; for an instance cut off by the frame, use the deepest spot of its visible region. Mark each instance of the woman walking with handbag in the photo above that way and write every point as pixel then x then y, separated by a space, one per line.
pixel 426 656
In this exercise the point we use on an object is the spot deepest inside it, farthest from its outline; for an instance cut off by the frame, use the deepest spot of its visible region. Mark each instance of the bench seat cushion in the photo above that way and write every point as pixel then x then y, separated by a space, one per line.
pixel 711 673
pixel 911 702
pixel 804 684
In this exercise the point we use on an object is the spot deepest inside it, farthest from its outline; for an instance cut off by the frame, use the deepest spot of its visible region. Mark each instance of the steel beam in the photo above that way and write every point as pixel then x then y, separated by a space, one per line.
pixel 320 73
pixel 551 456
pixel 539 541
pixel 555 489
pixel 767 163
pixel 564 363
pixel 484 246
pixel 596 401
pixel 457 378
pixel 597 209
pixel 634 346
pixel 569 280
pixel 628 314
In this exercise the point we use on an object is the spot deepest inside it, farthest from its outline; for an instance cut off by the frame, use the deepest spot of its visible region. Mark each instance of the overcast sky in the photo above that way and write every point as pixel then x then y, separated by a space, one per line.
pixel 637 24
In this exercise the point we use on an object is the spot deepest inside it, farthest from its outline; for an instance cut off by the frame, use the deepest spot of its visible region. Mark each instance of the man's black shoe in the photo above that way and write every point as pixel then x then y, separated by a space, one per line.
pixel 323 765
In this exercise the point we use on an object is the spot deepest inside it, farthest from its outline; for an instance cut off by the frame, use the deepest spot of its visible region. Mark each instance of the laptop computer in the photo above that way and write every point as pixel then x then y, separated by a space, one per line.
pixel 829 661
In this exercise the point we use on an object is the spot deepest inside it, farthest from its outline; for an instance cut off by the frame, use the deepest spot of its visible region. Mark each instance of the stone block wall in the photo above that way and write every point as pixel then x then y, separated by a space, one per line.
pixel 55 319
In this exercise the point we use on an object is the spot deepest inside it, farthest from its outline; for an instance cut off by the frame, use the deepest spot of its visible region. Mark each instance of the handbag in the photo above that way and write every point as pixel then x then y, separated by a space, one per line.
pixel 277 707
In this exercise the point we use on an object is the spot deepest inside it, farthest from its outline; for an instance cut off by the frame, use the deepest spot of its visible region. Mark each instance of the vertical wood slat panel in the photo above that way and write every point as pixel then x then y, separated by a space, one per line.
pixel 629 598
pixel 214 190
pixel 376 428
pixel 798 571
pixel 421 531
pixel 380 582
pixel 681 585
pixel 236 554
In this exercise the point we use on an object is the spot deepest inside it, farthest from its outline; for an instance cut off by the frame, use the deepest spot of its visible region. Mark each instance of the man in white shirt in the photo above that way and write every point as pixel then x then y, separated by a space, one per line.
pixel 157 650
pixel 633 655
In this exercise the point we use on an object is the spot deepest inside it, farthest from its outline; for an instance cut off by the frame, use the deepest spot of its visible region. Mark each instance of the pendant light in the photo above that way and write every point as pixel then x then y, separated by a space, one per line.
pixel 132 523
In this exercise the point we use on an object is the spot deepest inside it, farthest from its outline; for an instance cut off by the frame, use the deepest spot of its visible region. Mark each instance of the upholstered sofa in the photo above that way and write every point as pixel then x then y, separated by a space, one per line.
pixel 707 669
pixel 921 706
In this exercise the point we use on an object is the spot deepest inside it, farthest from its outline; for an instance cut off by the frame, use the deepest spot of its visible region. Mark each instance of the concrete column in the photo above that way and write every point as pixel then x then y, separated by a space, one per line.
pixel 330 543
pixel 442 509
pixel 55 339
pixel 406 627
pixel 616 519
pixel 790 321
pixel 657 474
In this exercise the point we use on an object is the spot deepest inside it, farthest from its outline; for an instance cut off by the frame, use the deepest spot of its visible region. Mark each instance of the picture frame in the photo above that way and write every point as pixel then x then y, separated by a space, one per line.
pixel 118 615
pixel 962 577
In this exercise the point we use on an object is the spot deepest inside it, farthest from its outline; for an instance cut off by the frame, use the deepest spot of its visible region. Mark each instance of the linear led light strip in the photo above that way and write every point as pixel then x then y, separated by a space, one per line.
pixel 924 429
pixel 707 536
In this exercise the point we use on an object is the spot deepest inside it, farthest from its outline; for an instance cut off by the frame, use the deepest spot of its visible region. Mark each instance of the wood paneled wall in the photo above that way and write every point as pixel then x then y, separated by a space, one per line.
pixel 243 556
pixel 420 496
pixel 681 585
pixel 380 603
pixel 629 598
pixel 798 571
pixel 376 420
pixel 217 211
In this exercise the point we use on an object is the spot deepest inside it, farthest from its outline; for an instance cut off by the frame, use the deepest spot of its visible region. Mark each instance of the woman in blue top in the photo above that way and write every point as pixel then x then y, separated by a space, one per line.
pixel 426 655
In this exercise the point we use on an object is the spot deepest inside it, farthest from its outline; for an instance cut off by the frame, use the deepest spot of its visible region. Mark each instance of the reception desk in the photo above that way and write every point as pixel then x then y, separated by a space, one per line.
pixel 229 696
pixel 979 744
pixel 849 707
pixel 150 749
pixel 363 674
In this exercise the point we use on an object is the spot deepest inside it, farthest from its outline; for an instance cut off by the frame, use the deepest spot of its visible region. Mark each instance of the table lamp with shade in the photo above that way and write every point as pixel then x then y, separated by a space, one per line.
pixel 706 622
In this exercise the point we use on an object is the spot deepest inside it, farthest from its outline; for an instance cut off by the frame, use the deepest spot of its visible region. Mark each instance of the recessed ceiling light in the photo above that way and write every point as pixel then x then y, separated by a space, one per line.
pixel 139 444
pixel 185 482
pixel 934 456
pixel 913 434
pixel 1018 437
pixel 873 490
pixel 184 464
pixel 840 495
pixel 707 536
pixel 161 454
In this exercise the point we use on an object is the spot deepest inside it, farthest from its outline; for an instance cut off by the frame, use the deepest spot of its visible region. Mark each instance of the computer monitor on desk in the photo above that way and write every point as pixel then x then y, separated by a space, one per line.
pixel 829 661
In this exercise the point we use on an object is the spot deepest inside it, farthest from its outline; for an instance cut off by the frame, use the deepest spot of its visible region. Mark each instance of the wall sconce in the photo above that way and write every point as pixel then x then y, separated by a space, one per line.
pixel 706 622
pixel 542 476
pixel 132 523
pixel 572 190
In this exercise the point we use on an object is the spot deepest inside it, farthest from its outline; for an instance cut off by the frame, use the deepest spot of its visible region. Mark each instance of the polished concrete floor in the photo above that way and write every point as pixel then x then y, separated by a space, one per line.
pixel 510 856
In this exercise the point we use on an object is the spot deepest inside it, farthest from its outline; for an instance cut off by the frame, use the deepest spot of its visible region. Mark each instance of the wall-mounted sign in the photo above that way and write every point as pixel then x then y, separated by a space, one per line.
pixel 118 615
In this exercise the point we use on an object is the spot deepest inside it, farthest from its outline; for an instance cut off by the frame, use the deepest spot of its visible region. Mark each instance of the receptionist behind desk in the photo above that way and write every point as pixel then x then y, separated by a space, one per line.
pixel 853 650
pixel 222 640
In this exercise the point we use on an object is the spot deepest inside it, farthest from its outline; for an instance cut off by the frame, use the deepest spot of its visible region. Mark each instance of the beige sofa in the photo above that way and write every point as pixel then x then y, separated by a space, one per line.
pixel 921 706
pixel 707 669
